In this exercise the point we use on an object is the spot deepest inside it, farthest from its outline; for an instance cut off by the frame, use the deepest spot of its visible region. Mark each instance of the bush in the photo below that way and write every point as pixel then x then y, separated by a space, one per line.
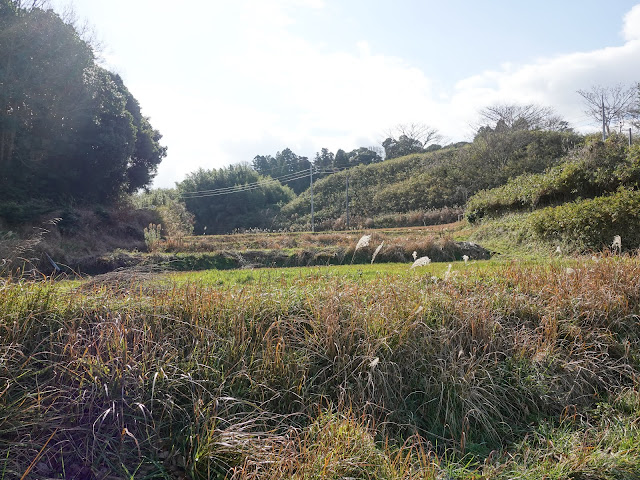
pixel 594 169
pixel 591 224
pixel 16 213
pixel 171 211
pixel 152 236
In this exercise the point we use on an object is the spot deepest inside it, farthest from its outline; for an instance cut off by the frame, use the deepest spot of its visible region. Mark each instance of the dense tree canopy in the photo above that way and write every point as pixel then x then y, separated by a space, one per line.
pixel 325 160
pixel 287 166
pixel 233 197
pixel 405 139
pixel 69 129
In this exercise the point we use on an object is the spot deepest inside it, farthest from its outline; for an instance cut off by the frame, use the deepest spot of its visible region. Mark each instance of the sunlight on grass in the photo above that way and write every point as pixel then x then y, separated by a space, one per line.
pixel 496 369
pixel 297 275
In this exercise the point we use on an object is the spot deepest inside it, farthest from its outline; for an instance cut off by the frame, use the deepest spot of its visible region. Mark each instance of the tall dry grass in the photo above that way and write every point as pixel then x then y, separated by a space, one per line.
pixel 140 378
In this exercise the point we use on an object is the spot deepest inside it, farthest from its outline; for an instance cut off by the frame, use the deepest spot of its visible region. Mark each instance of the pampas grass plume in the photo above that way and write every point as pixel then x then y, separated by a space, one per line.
pixel 447 274
pixel 421 262
pixel 617 244
pixel 375 254
pixel 363 242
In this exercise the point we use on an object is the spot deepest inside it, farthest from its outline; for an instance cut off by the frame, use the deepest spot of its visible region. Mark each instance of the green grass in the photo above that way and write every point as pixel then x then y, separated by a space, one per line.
pixel 298 275
pixel 500 369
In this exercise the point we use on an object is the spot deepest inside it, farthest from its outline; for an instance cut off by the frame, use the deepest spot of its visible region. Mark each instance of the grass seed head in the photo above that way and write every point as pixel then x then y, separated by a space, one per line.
pixel 363 242
pixel 447 274
pixel 375 254
pixel 421 262
pixel 616 246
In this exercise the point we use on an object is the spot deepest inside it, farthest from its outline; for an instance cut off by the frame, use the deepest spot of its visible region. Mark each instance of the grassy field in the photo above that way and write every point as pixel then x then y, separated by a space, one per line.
pixel 488 369
pixel 296 249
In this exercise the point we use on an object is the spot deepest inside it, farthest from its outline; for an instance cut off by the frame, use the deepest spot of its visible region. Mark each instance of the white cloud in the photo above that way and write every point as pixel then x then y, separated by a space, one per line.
pixel 277 90
pixel 554 81
pixel 326 98
pixel 631 27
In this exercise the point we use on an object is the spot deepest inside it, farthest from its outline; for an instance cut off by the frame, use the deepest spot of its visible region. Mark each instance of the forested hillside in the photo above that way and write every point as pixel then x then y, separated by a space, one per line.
pixel 443 178
pixel 429 185
pixel 581 204
pixel 595 169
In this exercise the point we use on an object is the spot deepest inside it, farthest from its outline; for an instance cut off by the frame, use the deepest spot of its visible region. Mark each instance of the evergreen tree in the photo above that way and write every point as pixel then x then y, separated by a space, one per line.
pixel 69 129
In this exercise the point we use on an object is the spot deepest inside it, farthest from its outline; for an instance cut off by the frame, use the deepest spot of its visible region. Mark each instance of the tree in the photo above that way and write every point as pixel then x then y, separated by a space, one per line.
pixel 69 129
pixel 503 117
pixel 247 199
pixel 323 159
pixel 363 156
pixel 341 159
pixel 610 104
pixel 286 165
pixel 405 139
pixel 402 146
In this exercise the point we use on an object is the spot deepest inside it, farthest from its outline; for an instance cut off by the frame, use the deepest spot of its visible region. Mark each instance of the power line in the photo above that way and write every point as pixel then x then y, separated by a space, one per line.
pixel 238 188
pixel 247 186
pixel 254 185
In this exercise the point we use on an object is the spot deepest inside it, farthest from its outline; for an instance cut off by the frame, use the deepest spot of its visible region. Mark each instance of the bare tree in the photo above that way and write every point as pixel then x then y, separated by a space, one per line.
pixel 420 132
pixel 521 117
pixel 609 104
pixel 85 30
pixel 30 4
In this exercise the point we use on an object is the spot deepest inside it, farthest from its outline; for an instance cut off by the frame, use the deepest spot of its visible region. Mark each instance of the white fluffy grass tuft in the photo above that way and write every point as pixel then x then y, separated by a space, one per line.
pixel 421 262
pixel 616 246
pixel 447 274
pixel 363 242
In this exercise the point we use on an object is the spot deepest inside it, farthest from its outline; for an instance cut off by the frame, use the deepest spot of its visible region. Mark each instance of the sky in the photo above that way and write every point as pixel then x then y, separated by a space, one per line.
pixel 224 81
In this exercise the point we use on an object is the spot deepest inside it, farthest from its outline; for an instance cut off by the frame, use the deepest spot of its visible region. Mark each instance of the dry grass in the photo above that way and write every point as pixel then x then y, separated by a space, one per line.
pixel 137 378
pixel 304 249
pixel 306 240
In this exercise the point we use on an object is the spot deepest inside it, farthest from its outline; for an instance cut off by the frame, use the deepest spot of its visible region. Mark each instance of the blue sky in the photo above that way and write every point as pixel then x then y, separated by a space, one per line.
pixel 224 81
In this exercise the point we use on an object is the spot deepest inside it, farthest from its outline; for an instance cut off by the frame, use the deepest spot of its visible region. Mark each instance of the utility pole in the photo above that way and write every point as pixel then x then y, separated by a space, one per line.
pixel 311 181
pixel 604 131
pixel 347 201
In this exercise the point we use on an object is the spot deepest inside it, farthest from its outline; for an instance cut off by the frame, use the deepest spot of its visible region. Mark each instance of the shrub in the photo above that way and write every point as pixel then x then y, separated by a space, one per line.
pixel 153 236
pixel 591 224
pixel 594 169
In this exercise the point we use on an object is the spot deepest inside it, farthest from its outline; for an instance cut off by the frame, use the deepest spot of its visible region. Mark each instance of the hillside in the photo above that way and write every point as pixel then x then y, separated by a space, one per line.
pixel 425 188
pixel 582 204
